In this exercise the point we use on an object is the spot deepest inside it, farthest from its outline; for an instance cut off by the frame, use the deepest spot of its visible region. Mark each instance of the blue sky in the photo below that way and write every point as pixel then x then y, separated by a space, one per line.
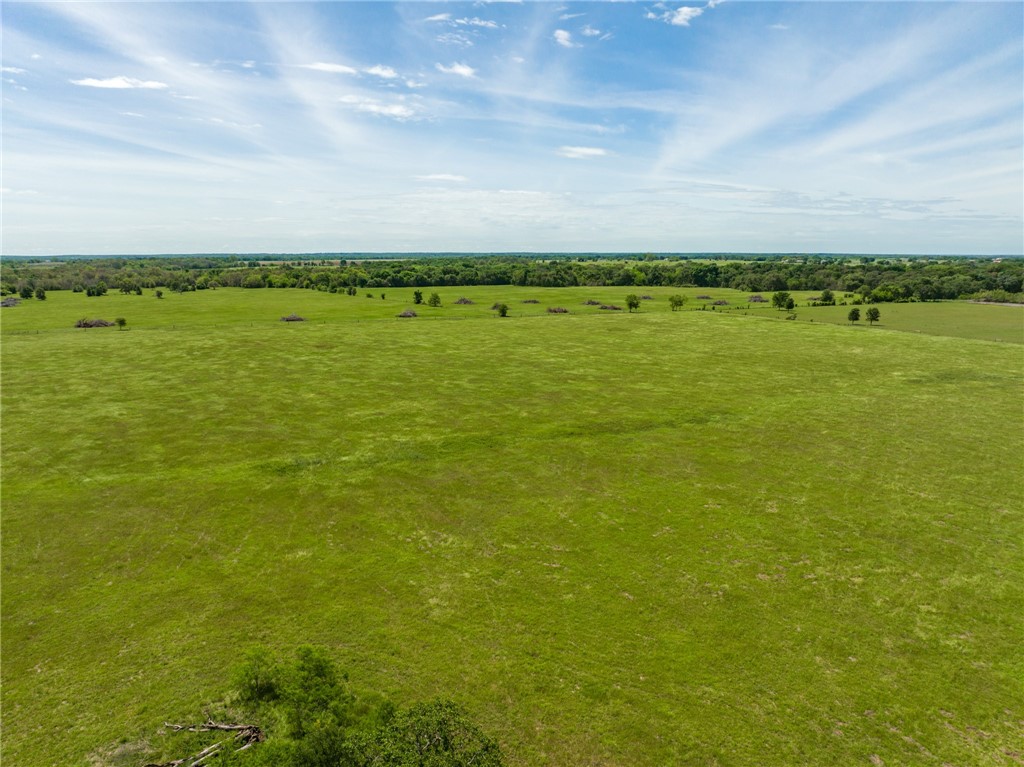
pixel 351 126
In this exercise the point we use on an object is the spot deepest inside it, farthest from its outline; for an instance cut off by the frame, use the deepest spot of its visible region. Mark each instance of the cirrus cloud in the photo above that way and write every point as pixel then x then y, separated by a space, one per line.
pixel 463 70
pixel 581 152
pixel 120 82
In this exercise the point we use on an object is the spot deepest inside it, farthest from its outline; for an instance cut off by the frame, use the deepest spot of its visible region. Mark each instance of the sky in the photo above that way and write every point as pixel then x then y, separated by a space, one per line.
pixel 844 127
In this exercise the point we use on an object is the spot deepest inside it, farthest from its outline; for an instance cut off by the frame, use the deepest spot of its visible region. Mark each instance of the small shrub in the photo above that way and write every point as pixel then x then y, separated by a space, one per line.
pixel 434 300
pixel 531 301
pixel 463 301
pixel 611 307
pixel 706 298
pixel 408 313
pixel 84 323
pixel 720 302
pixel 502 309
pixel 757 299
pixel 591 302
pixel 646 298
pixel 11 301
pixel 293 318
pixel 557 310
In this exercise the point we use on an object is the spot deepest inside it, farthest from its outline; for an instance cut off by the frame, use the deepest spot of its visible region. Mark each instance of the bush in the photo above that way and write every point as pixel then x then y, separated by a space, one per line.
pixel 757 299
pixel 611 307
pixel 502 309
pixel 84 323
pixel 463 301
pixel 720 302
pixel 531 301
pixel 557 310
pixel 591 302
pixel 434 300
pixel 293 318
pixel 408 313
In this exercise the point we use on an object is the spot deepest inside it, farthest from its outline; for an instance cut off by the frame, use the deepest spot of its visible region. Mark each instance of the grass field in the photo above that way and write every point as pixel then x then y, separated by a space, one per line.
pixel 695 538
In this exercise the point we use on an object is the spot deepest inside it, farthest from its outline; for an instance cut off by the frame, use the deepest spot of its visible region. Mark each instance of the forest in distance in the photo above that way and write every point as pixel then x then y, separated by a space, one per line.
pixel 875 279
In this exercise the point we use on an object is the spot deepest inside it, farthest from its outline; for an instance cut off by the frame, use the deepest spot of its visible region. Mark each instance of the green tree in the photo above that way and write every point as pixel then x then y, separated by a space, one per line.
pixel 780 298
pixel 853 315
pixel 40 294
pixel 790 304
pixel 676 302
pixel 827 297
pixel 121 322
pixel 25 293
pixel 417 296
pixel 434 300
pixel 502 310
pixel 633 301
pixel 873 315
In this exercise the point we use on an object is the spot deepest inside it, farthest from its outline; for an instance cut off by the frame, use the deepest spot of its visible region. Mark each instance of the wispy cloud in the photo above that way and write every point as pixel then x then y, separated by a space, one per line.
pixel 337 69
pixel 442 177
pixel 454 38
pixel 564 38
pixel 589 31
pixel 396 111
pixel 439 17
pixel 581 152
pixel 387 73
pixel 682 16
pixel 13 70
pixel 120 82
pixel 463 70
pixel 777 26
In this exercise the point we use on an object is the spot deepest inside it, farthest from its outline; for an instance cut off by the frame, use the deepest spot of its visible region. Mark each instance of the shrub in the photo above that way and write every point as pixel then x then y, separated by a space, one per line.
pixel 646 298
pixel 11 301
pixel 706 298
pixel 434 300
pixel 611 307
pixel 293 318
pixel 463 301
pixel 502 309
pixel 408 313
pixel 84 323
pixel 591 302
pixel 531 301
pixel 757 299
pixel 557 310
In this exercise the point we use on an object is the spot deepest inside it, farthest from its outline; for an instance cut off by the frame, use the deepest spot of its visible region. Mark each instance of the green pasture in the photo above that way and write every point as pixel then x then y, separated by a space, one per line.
pixel 691 538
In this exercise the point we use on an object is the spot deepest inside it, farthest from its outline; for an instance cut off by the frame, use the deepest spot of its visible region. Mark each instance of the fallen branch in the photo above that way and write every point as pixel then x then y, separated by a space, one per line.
pixel 245 735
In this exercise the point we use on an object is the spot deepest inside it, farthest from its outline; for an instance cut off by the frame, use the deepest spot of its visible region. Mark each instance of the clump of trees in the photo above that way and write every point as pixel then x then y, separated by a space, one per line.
pixel 304 712
pixel 676 301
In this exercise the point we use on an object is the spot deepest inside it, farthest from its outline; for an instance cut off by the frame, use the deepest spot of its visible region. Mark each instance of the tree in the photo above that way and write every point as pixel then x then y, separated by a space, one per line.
pixel 873 315
pixel 676 302
pixel 417 296
pixel 434 300
pixel 25 293
pixel 381 296
pixel 780 298
pixel 121 322
pixel 790 304
pixel 632 301
pixel 502 310
pixel 40 294
pixel 827 297
pixel 159 294
pixel 854 315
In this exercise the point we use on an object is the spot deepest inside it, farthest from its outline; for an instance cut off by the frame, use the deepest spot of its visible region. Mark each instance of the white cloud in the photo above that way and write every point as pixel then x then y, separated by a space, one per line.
pixel 454 38
pixel 382 71
pixel 567 16
pixel 337 69
pixel 475 22
pixel 439 17
pixel 120 82
pixel 581 152
pixel 778 26
pixel 372 106
pixel 442 177
pixel 589 31
pixel 683 16
pixel 463 70
pixel 13 70
pixel 564 38
pixel 130 114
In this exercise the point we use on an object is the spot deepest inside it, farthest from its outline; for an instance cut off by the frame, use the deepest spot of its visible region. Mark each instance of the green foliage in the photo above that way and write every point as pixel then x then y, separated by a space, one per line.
pixel 40 294
pixel 25 293
pixel 417 296
pixel 159 294
pixel 502 310
pixel 781 299
pixel 633 302
pixel 873 314
pixel 120 322
pixel 676 301
pixel 434 300
pixel 853 315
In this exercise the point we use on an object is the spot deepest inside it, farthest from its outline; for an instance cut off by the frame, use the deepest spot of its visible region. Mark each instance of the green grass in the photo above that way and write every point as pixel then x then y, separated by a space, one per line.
pixel 662 538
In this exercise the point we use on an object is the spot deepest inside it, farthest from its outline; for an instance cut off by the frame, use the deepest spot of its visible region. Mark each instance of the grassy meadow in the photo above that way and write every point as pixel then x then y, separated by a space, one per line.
pixel 688 538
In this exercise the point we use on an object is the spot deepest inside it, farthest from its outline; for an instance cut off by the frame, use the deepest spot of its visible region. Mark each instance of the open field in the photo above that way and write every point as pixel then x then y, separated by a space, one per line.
pixel 696 538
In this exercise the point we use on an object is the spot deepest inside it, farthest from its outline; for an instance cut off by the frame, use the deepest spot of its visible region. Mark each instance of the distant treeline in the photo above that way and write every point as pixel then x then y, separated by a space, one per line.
pixel 876 279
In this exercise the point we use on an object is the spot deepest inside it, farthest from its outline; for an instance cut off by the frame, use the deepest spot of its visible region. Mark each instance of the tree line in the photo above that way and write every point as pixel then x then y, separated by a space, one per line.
pixel 875 280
